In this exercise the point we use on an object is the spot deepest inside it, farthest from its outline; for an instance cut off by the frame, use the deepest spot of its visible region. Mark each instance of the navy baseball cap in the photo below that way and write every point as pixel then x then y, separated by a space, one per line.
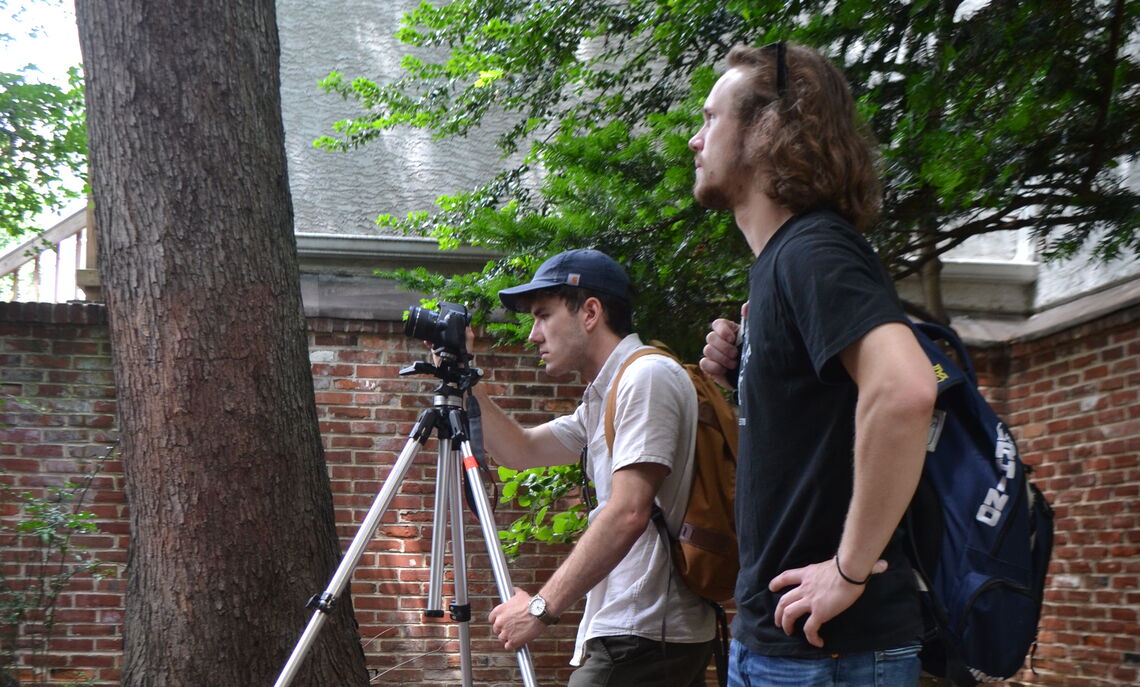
pixel 583 267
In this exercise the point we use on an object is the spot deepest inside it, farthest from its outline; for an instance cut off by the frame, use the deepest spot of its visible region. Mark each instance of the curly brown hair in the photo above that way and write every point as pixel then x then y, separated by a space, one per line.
pixel 820 153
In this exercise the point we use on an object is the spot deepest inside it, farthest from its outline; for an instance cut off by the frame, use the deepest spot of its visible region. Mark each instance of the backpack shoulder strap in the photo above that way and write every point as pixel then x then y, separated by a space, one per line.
pixel 713 409
pixel 611 395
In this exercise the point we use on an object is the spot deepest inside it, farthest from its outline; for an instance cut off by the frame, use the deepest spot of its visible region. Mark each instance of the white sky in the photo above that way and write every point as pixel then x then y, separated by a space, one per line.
pixel 54 47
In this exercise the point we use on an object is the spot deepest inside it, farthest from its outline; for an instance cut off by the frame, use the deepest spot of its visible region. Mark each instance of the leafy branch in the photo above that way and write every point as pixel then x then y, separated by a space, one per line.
pixel 45 529
pixel 538 491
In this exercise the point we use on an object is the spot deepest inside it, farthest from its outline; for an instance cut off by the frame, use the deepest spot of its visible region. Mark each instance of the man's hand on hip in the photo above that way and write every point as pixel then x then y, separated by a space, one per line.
pixel 820 592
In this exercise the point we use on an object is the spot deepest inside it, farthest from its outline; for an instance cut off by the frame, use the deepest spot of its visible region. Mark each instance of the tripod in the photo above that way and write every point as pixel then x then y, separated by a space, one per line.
pixel 449 420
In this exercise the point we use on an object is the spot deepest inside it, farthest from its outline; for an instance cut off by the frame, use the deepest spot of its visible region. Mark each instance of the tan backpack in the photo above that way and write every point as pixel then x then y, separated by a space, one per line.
pixel 704 550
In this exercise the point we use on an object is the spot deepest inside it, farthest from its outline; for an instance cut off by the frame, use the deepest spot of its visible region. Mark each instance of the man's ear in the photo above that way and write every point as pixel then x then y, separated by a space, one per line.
pixel 593 314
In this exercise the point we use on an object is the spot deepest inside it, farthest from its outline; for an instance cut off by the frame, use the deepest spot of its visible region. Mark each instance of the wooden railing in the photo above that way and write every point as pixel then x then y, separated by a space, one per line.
pixel 53 267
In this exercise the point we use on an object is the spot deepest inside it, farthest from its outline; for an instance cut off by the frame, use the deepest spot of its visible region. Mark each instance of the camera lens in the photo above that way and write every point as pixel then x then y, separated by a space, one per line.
pixel 421 324
pixel 444 330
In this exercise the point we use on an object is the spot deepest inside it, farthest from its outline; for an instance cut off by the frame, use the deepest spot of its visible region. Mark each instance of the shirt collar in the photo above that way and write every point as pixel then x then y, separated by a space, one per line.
pixel 597 390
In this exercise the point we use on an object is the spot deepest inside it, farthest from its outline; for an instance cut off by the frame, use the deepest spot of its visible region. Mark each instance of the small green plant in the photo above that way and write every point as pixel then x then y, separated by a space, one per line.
pixel 42 528
pixel 538 490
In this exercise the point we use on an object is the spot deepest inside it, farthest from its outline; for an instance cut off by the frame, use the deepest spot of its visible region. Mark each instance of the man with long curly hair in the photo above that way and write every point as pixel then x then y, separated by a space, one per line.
pixel 835 392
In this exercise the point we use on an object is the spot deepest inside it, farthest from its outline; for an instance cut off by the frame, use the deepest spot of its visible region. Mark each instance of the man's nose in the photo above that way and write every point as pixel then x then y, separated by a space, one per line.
pixel 697 141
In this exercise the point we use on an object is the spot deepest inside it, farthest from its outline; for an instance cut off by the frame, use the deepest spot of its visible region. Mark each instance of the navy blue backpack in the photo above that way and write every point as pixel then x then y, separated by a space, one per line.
pixel 979 534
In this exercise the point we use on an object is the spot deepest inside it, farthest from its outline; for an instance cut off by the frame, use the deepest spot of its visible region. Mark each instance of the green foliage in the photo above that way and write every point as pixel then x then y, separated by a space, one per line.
pixel 673 249
pixel 45 525
pixel 43 148
pixel 1007 116
pixel 538 490
pixel 43 138
pixel 1013 116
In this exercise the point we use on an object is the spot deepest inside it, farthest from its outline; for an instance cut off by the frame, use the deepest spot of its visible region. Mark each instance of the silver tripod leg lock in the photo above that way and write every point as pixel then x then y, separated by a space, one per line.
pixel 460 613
pixel 324 602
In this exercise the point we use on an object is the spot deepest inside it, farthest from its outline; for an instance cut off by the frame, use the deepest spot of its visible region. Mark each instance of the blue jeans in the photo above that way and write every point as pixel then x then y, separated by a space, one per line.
pixel 887 668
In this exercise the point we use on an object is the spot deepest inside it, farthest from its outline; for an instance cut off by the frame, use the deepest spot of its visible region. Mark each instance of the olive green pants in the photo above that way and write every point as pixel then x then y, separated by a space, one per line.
pixel 629 661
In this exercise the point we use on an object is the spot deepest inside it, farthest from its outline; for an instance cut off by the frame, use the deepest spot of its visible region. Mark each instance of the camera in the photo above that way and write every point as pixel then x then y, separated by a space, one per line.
pixel 445 330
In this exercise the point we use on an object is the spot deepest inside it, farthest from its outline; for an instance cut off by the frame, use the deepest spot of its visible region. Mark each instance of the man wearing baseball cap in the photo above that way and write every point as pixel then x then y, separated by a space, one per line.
pixel 641 626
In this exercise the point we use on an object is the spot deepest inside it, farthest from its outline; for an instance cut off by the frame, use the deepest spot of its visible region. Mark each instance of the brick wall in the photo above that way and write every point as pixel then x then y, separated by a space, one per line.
pixel 1074 404
pixel 58 419
pixel 1071 399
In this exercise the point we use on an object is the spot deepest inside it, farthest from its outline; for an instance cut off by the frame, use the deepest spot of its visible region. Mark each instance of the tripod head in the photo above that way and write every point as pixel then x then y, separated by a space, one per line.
pixel 456 377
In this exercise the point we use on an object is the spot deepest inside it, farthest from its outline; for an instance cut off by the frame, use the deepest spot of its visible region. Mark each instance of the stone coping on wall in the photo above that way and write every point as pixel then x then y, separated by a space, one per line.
pixel 75 312
pixel 982 331
pixel 372 299
pixel 338 272
pixel 359 254
pixel 998 288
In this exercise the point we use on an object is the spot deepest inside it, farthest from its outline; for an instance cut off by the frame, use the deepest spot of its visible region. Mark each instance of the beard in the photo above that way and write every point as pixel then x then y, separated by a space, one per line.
pixel 711 196
pixel 735 177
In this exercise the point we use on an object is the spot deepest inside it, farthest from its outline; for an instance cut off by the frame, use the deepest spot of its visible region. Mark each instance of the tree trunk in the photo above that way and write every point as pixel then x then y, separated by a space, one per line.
pixel 930 275
pixel 230 508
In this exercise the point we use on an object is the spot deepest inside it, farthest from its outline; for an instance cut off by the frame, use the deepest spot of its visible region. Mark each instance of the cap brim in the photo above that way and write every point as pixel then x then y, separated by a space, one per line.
pixel 510 297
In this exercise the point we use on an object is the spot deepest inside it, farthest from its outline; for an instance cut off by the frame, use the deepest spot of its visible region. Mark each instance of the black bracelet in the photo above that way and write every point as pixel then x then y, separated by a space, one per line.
pixel 845 577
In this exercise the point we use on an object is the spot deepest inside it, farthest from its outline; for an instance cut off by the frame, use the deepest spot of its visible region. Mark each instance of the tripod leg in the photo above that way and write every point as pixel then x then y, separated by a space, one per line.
pixel 495 551
pixel 460 607
pixel 438 538
pixel 325 602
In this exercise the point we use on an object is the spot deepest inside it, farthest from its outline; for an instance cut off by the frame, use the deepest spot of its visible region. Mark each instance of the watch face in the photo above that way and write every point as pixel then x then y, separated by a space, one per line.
pixel 537 606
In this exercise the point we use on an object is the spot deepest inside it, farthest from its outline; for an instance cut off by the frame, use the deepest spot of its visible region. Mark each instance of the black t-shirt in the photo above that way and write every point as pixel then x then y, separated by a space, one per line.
pixel 816 288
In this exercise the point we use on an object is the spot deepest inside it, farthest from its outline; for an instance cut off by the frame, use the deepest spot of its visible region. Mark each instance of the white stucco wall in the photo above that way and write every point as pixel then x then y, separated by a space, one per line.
pixel 403 170
pixel 1059 281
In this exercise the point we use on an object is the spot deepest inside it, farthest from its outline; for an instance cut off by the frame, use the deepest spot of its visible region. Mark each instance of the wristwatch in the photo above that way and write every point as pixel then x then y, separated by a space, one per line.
pixel 537 608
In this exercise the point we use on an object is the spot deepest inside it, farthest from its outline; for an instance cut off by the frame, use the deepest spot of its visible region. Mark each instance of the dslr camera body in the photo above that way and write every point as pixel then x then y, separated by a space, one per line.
pixel 446 330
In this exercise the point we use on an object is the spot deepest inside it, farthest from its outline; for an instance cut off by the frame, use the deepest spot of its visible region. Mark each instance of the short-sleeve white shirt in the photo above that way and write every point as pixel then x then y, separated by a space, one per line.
pixel 655 422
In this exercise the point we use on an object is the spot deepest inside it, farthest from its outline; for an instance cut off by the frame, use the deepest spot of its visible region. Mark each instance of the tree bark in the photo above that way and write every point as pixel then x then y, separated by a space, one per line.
pixel 930 275
pixel 231 513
